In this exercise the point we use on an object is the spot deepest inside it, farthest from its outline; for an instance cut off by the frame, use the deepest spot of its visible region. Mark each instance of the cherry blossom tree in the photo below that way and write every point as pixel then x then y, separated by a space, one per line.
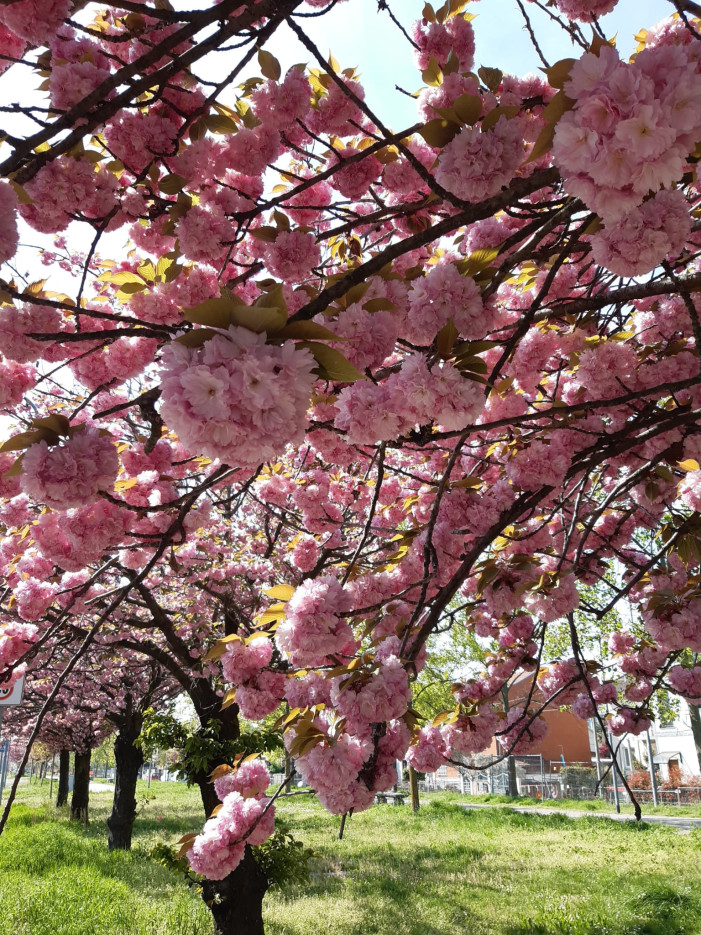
pixel 351 385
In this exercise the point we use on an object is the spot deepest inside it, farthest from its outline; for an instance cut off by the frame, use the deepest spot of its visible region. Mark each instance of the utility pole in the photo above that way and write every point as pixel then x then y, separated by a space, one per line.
pixel 614 774
pixel 651 767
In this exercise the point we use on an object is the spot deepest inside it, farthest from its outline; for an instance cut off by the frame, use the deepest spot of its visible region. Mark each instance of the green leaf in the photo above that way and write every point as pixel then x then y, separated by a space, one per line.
pixel 269 65
pixel 16 468
pixel 432 74
pixel 491 77
pixel 439 132
pixel 258 318
pixel 543 144
pixel 195 338
pixel 130 288
pixel 121 278
pixel 446 338
pixel 468 108
pixel 26 439
pixel 332 364
pixel 306 330
pixel 54 423
pixel 22 196
pixel 267 234
pixel 282 592
pixel 492 118
pixel 559 73
pixel 216 313
pixel 172 184
pixel 379 304
pixel 220 123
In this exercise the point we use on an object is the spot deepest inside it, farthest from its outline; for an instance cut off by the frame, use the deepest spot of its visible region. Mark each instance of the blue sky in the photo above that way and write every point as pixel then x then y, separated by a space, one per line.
pixel 359 35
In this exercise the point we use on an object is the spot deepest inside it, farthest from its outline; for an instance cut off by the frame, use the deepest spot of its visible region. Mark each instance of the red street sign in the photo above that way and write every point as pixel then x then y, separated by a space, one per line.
pixel 12 694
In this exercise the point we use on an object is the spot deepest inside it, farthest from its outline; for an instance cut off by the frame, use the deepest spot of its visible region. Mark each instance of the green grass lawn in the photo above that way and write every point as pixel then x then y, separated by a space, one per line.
pixel 441 872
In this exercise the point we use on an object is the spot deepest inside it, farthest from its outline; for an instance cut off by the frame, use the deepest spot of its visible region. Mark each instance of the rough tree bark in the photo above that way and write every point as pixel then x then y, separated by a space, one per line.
pixel 236 902
pixel 64 769
pixel 129 760
pixel 81 787
pixel 511 772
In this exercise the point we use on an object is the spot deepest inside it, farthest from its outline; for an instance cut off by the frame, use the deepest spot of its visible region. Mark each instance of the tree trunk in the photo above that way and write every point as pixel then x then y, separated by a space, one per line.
pixel 129 760
pixel 236 902
pixel 695 719
pixel 64 770
pixel 511 768
pixel 414 788
pixel 81 787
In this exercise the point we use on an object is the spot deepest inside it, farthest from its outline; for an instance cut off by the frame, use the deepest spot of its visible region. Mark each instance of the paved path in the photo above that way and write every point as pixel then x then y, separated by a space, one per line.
pixel 682 823
pixel 101 786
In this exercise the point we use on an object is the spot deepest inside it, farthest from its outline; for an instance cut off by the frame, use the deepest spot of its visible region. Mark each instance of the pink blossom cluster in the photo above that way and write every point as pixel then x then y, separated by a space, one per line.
pixel 135 138
pixel 444 295
pixel 66 187
pixel 621 641
pixel 15 380
pixel 219 848
pixel 236 398
pixel 305 554
pixel 429 752
pixel 79 536
pixel 438 40
pixel 69 84
pixel 353 180
pixel 631 128
pixel 8 222
pixel 332 768
pixel 35 20
pixel 17 322
pixel 471 734
pixel 15 640
pixel 686 681
pixel 415 395
pixel 292 255
pixel 690 490
pixel 260 695
pixel 475 165
pixel 368 337
pixel 280 104
pixel 585 12
pixel 249 779
pixel 677 628
pixel 315 625
pixel 11 46
pixel 73 473
pixel 242 661
pixel 382 696
pixel 628 721
pixel 525 731
pixel 308 690
pixel 540 464
pixel 641 239
pixel 34 597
